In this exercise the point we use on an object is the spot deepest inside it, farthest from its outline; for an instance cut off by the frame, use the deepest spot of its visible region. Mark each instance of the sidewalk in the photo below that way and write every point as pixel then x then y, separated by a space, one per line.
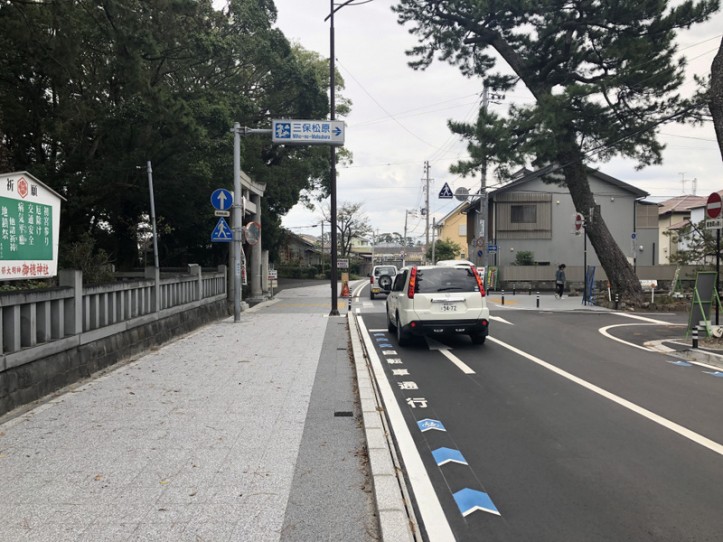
pixel 237 431
pixel 523 299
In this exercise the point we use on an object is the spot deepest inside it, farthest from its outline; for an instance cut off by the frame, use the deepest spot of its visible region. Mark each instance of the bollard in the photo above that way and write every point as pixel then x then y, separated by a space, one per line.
pixel 617 301
pixel 694 333
pixel 349 304
pixel 529 292
pixel 514 290
pixel 503 297
pixel 538 300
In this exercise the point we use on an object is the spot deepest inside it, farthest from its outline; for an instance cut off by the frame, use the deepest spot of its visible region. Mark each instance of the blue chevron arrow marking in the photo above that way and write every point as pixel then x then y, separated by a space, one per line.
pixel 681 363
pixel 448 455
pixel 469 500
pixel 427 424
pixel 717 374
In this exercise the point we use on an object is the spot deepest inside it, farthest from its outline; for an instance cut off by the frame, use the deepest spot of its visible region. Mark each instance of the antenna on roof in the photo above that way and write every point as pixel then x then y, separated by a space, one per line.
pixel 682 180
pixel 695 185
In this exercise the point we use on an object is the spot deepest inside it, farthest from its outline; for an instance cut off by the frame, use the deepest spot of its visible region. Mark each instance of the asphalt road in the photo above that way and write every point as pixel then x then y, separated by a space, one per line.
pixel 567 433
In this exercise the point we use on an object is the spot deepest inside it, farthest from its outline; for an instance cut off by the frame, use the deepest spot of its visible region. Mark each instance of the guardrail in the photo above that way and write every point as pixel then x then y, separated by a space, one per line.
pixel 48 317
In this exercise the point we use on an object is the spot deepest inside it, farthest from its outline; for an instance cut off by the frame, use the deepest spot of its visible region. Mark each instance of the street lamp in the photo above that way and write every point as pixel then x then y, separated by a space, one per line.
pixel 332 150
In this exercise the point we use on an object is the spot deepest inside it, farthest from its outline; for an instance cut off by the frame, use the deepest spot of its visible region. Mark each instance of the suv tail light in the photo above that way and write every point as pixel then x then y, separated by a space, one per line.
pixel 479 281
pixel 371 279
pixel 412 282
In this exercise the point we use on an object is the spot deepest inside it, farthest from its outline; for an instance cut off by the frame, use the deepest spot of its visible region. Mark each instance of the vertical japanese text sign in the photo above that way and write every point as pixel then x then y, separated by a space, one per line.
pixel 29 227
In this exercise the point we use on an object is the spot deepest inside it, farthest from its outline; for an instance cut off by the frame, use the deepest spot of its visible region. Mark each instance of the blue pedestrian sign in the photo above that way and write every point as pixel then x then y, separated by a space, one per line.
pixel 222 233
pixel 446 192
pixel 221 199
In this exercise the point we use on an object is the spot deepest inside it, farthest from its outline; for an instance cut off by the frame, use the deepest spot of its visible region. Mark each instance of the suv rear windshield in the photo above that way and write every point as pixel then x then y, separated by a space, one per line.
pixel 379 271
pixel 446 279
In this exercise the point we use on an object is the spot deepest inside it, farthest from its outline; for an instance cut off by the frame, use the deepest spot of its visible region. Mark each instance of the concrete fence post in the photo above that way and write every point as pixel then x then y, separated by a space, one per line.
pixel 73 311
pixel 195 270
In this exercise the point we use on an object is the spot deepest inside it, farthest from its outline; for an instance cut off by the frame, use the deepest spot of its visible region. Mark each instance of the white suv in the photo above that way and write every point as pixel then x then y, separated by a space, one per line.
pixel 438 300
pixel 381 279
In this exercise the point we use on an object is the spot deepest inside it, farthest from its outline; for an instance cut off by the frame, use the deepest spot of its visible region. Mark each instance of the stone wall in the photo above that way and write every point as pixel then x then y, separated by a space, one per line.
pixel 35 380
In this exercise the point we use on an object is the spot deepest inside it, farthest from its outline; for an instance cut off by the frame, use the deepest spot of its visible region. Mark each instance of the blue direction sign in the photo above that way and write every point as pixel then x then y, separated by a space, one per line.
pixel 307 132
pixel 221 199
pixel 222 233
pixel 446 192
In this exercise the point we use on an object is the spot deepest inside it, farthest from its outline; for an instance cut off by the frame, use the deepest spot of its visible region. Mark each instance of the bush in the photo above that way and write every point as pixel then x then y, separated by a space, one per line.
pixel 83 255
pixel 524 257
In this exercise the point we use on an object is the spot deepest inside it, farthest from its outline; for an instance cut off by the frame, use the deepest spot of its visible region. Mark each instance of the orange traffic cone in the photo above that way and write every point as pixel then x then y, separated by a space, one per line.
pixel 345 289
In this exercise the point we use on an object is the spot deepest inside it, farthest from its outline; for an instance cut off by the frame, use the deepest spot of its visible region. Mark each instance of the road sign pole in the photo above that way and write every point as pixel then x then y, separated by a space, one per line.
pixel 236 225
pixel 717 271
pixel 332 164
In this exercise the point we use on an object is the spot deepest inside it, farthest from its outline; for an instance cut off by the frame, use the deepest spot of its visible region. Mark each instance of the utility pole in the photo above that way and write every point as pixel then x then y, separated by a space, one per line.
pixel 426 208
pixel 483 190
pixel 322 247
pixel 404 239
pixel 483 227
pixel 434 230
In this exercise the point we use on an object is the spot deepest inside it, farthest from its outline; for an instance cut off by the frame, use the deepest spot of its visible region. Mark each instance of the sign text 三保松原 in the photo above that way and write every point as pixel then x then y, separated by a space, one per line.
pixel 307 132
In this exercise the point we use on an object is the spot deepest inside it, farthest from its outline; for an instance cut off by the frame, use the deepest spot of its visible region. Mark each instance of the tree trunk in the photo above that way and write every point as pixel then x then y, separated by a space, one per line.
pixel 716 96
pixel 623 279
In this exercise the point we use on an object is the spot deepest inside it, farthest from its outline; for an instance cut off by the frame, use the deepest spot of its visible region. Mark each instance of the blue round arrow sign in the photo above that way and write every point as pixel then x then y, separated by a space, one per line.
pixel 221 199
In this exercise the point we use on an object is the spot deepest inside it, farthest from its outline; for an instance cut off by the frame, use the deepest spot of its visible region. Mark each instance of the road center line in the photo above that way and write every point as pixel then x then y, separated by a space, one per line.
pixel 676 428
pixel 458 362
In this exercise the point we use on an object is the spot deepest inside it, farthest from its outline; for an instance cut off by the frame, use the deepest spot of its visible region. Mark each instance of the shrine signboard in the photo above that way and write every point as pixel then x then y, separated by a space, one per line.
pixel 29 227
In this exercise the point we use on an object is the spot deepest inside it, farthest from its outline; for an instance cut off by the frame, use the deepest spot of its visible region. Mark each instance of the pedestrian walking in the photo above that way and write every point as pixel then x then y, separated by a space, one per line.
pixel 559 281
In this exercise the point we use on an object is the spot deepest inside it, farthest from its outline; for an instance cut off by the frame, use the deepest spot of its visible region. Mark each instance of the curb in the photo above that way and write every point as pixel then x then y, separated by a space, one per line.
pixel 396 518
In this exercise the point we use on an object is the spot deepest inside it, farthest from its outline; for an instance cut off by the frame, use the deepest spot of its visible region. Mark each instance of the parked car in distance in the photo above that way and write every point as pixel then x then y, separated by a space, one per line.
pixel 447 263
pixel 381 279
pixel 464 263
pixel 438 300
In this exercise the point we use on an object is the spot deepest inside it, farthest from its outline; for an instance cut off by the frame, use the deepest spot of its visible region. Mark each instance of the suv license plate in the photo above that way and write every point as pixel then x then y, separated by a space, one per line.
pixel 449 307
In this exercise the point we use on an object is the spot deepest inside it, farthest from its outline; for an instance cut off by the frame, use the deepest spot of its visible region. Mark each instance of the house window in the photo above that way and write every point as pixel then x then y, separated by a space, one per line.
pixel 523 214
pixel 462 229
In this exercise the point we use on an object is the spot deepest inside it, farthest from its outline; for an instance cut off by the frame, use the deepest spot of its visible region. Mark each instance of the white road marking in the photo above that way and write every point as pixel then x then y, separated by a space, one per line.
pixel 435 521
pixel 443 349
pixel 498 319
pixel 668 424
pixel 604 331
pixel 458 362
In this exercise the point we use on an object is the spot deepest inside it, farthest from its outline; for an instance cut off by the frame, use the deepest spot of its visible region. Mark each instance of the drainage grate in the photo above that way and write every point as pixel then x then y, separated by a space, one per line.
pixel 343 414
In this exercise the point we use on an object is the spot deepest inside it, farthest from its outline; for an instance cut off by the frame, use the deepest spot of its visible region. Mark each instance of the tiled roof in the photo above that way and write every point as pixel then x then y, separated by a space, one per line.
pixel 681 204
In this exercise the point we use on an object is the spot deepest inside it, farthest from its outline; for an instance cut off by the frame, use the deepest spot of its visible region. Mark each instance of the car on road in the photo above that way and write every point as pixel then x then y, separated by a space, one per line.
pixel 454 263
pixel 381 279
pixel 438 300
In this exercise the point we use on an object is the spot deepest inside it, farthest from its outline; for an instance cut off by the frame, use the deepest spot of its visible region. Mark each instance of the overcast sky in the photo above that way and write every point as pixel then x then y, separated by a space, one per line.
pixel 399 118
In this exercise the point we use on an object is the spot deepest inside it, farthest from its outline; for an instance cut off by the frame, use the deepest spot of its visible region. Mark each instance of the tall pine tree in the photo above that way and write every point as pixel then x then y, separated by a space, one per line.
pixel 604 76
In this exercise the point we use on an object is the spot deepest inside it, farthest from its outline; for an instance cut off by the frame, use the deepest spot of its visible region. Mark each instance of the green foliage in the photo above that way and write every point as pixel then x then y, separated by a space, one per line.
pixel 604 76
pixel 90 92
pixel 524 257
pixel 600 86
pixel 352 224
pixel 83 255
pixel 444 249
pixel 699 244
